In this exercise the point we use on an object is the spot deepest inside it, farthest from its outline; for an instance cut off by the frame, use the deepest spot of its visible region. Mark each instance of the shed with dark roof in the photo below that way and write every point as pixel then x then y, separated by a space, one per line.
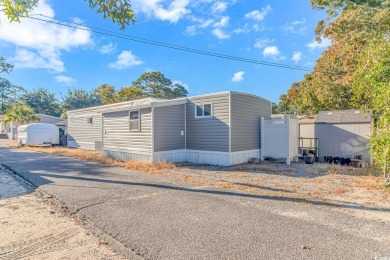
pixel 343 133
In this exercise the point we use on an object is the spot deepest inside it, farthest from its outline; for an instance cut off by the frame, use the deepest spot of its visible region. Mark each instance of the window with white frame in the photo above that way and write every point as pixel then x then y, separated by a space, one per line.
pixel 135 120
pixel 204 110
pixel 90 120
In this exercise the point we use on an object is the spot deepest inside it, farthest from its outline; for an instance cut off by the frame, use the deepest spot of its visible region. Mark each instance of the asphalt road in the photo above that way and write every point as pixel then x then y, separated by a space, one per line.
pixel 160 218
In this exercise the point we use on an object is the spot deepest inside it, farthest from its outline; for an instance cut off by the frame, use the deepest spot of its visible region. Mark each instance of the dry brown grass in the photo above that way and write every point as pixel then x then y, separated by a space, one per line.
pixel 11 143
pixel 87 155
pixel 369 183
pixel 338 191
pixel 255 167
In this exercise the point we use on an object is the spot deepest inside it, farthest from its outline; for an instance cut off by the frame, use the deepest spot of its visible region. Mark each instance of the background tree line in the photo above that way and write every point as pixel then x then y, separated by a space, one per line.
pixel 42 101
pixel 353 73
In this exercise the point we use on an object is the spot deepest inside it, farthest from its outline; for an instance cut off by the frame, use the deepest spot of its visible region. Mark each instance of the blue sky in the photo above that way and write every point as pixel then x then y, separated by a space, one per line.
pixel 58 58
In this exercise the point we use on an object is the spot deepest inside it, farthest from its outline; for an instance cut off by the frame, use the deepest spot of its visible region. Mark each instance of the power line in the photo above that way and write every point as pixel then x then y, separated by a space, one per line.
pixel 165 45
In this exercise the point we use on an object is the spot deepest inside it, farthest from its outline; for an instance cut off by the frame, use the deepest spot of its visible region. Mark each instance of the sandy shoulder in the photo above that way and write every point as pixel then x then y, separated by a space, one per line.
pixel 32 228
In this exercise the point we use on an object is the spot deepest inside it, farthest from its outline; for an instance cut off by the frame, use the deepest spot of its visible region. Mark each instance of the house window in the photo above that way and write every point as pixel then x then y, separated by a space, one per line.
pixel 134 120
pixel 90 120
pixel 204 110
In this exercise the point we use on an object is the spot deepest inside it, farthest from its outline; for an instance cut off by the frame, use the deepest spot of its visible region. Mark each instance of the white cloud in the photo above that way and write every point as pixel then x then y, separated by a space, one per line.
pixel 297 56
pixel 325 43
pixel 219 7
pixel 206 23
pixel 257 14
pixel 238 76
pixel 126 59
pixel 191 30
pixel 244 29
pixel 176 10
pixel 66 80
pixel 41 42
pixel 271 51
pixel 108 48
pixel 258 28
pixel 261 43
pixel 223 22
pixel 296 26
pixel 25 58
pixel 220 34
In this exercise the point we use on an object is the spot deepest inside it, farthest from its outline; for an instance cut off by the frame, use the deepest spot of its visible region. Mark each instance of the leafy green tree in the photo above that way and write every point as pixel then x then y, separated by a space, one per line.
pixel 354 72
pixel 8 94
pixel 106 93
pixel 129 93
pixel 156 85
pixel 372 83
pixel 20 114
pixel 79 98
pixel 352 26
pixel 42 101
pixel 4 66
pixel 119 11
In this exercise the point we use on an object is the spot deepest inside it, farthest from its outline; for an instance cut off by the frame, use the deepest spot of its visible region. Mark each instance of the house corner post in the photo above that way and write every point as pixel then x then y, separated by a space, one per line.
pixel 288 140
pixel 152 124
pixel 261 138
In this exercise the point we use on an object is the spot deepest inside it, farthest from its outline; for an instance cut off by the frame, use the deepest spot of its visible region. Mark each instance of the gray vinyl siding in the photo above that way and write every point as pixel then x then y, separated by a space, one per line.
pixel 212 133
pixel 117 134
pixel 343 140
pixel 168 124
pixel 246 112
pixel 83 133
pixel 48 119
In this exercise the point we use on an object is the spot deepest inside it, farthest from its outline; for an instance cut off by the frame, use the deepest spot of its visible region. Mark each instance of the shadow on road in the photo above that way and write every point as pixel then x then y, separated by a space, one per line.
pixel 38 168
pixel 214 192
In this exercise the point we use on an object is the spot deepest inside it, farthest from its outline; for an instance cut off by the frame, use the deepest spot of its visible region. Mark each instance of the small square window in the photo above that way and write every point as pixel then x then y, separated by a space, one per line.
pixel 90 120
pixel 134 115
pixel 204 110
pixel 207 109
pixel 134 119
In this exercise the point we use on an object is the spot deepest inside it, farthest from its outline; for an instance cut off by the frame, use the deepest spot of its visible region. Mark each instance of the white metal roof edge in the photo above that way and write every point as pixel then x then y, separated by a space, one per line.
pixel 120 104
pixel 173 102
pixel 252 95
pixel 154 102
pixel 55 117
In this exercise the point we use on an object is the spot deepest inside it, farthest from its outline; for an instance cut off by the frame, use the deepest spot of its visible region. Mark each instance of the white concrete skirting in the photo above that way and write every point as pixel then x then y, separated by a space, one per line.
pixel 206 157
pixel 127 156
pixel 170 156
pixel 243 156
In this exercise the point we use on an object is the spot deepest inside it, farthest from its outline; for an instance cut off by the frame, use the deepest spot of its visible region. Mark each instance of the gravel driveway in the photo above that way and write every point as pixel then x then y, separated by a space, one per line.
pixel 158 217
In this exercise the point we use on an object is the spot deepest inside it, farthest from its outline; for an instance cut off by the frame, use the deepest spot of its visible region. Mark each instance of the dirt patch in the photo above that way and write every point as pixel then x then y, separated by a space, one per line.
pixel 32 228
pixel 354 190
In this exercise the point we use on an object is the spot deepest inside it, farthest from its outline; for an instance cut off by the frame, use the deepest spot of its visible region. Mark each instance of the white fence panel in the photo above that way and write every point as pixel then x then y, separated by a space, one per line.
pixel 279 138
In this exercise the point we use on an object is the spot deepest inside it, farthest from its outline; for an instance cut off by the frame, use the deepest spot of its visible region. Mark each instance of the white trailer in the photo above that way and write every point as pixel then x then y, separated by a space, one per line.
pixel 38 134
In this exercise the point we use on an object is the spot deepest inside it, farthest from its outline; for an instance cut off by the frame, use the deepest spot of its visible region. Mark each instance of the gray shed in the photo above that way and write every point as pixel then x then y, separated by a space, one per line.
pixel 343 133
pixel 219 128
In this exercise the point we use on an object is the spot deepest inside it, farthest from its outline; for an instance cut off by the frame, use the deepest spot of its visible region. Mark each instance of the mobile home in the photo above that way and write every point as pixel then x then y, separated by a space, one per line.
pixel 220 128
